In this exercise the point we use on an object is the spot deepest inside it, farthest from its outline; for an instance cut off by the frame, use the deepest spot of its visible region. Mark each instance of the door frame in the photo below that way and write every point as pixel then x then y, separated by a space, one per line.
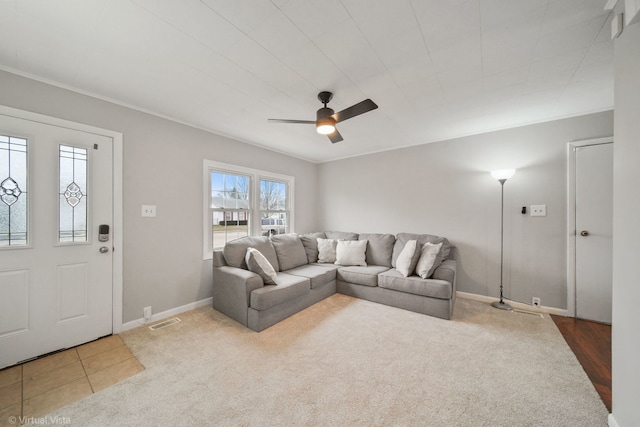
pixel 117 239
pixel 571 217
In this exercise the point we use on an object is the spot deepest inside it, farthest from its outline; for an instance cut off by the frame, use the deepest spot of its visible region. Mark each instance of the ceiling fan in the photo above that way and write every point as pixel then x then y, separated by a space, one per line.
pixel 326 119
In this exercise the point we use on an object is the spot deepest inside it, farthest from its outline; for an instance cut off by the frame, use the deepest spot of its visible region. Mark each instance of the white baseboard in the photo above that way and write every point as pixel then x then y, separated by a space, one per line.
pixel 612 421
pixel 515 304
pixel 168 313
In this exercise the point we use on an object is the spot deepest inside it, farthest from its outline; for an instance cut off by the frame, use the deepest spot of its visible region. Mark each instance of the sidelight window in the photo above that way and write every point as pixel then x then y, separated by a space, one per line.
pixel 14 202
pixel 73 194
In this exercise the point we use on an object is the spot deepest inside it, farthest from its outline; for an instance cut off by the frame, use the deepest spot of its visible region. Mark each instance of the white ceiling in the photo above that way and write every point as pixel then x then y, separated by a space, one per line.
pixel 438 69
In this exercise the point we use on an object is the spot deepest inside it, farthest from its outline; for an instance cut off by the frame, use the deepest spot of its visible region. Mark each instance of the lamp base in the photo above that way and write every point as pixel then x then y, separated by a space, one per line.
pixel 501 305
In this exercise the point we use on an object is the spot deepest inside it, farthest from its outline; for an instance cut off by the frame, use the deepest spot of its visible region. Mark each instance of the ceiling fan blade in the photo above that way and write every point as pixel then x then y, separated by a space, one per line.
pixel 304 122
pixel 355 110
pixel 335 136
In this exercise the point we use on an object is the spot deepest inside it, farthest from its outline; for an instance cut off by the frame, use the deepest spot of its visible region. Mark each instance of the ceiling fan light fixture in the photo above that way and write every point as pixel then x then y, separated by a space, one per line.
pixel 326 125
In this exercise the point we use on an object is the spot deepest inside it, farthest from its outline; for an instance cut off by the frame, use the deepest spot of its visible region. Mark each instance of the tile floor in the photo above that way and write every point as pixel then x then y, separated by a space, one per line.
pixel 35 388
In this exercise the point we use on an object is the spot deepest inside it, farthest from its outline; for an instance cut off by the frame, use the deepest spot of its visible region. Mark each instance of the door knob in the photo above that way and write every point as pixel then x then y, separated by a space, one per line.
pixel 104 250
pixel 584 233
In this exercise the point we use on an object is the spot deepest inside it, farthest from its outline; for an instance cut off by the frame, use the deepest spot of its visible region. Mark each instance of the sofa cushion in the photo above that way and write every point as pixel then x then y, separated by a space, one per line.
pixel 257 263
pixel 317 274
pixel 367 276
pixel 289 288
pixel 234 251
pixel 327 250
pixel 310 243
pixel 341 235
pixel 379 248
pixel 427 261
pixel 351 252
pixel 392 279
pixel 404 263
pixel 403 238
pixel 290 251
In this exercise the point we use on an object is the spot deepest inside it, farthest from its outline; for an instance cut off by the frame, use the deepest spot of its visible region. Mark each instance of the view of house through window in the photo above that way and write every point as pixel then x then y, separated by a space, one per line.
pixel 244 202
pixel 273 207
pixel 231 207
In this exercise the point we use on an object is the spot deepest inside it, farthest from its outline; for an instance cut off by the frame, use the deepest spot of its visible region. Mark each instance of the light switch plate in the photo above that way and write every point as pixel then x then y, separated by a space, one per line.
pixel 149 210
pixel 538 210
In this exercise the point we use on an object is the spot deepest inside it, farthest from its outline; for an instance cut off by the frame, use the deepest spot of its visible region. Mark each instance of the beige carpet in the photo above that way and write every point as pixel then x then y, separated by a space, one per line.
pixel 346 362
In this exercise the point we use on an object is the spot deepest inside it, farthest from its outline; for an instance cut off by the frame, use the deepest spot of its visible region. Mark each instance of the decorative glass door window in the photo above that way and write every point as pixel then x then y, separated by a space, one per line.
pixel 73 194
pixel 13 191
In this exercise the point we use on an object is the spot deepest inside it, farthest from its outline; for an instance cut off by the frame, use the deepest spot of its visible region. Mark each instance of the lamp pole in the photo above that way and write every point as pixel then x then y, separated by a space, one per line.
pixel 502 176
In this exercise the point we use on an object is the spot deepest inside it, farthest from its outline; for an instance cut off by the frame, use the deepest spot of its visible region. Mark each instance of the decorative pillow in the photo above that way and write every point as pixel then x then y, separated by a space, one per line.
pixel 257 263
pixel 427 262
pixel 290 251
pixel 404 261
pixel 327 250
pixel 351 252
pixel 403 238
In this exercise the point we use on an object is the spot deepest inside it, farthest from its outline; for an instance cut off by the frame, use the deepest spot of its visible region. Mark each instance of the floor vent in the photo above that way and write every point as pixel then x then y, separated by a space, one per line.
pixel 165 324
pixel 531 313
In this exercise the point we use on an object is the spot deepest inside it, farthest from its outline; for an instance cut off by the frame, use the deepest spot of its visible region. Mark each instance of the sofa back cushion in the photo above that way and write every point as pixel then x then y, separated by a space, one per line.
pixel 341 235
pixel 290 251
pixel 379 248
pixel 403 238
pixel 310 243
pixel 235 251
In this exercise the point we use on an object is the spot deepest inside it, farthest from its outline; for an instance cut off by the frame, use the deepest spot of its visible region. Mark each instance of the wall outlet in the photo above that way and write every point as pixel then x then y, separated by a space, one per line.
pixel 538 210
pixel 149 211
pixel 535 301
pixel 147 313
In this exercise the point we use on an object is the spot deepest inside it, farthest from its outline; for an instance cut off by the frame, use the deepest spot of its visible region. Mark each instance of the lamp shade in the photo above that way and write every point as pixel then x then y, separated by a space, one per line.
pixel 503 174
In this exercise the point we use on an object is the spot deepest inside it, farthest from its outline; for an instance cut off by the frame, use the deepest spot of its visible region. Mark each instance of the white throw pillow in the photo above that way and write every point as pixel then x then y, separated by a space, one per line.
pixel 425 266
pixel 327 250
pixel 351 252
pixel 259 264
pixel 403 263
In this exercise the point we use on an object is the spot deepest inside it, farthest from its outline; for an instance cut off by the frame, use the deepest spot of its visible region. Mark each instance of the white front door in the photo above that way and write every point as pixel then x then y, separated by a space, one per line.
pixel 594 231
pixel 56 282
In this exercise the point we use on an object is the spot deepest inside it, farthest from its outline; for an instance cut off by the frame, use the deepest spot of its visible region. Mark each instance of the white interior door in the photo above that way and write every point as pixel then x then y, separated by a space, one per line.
pixel 594 231
pixel 56 282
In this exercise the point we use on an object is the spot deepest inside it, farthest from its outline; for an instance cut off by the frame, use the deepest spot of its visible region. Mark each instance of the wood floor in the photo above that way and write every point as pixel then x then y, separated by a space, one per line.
pixel 591 343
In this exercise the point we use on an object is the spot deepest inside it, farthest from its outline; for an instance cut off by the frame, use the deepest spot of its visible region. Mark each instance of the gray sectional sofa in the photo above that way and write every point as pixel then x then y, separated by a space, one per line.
pixel 301 280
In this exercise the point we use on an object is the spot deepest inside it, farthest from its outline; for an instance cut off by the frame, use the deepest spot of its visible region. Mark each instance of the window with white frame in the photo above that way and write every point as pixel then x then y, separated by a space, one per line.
pixel 241 202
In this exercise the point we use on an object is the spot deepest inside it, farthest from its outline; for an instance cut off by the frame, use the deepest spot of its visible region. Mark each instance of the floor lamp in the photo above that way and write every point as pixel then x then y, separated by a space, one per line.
pixel 502 176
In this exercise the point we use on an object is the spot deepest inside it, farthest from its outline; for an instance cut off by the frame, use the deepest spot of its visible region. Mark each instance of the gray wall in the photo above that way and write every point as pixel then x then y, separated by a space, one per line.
pixel 446 189
pixel 163 265
pixel 626 230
